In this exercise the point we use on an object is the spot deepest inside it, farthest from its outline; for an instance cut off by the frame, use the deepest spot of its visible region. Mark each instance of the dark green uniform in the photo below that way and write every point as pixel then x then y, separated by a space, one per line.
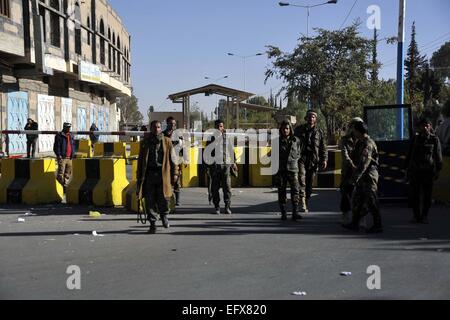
pixel 424 162
pixel 365 180
pixel 313 154
pixel 348 144
pixel 155 202
pixel 220 173
pixel 290 151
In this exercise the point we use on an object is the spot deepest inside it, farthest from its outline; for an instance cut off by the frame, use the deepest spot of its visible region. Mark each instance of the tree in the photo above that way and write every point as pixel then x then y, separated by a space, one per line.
pixel 336 64
pixel 414 65
pixel 440 61
pixel 129 111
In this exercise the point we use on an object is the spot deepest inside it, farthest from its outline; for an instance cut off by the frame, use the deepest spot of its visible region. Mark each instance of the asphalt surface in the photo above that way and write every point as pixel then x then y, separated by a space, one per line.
pixel 249 255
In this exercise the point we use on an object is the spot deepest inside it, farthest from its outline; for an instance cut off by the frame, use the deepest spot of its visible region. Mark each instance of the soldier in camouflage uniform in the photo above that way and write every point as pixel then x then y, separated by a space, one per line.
pixel 155 175
pixel 171 127
pixel 348 144
pixel 289 154
pixel 220 171
pixel 424 162
pixel 314 156
pixel 365 180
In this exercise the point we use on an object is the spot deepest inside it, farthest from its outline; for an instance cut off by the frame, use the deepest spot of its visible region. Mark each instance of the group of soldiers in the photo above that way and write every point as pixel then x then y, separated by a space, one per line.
pixel 302 153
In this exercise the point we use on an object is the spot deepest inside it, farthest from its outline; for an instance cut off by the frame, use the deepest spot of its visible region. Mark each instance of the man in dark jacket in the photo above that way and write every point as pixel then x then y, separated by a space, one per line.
pixel 64 149
pixel 289 154
pixel 31 138
pixel 156 174
pixel 314 156
pixel 424 162
pixel 94 138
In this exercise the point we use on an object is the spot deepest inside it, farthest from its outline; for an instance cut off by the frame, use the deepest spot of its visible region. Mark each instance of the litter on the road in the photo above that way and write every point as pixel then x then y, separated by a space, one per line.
pixel 299 293
pixel 20 220
pixel 346 274
pixel 95 234
pixel 95 214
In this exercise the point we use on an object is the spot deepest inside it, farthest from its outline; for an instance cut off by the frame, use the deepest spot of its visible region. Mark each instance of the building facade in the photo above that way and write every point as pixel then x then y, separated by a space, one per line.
pixel 61 61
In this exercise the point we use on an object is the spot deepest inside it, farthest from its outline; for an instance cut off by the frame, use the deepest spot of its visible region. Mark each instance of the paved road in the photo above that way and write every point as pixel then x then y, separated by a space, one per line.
pixel 249 255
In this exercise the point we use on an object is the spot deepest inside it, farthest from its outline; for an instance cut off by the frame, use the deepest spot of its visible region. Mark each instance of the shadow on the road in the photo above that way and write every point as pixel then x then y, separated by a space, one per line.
pixel 263 219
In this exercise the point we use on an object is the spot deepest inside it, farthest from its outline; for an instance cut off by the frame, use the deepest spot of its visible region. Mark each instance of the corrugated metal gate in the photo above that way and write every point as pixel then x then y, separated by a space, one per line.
pixel 46 121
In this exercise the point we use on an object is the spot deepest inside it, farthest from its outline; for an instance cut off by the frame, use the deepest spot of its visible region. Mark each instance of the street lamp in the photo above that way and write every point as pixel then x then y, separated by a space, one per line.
pixel 308 8
pixel 244 59
pixel 217 79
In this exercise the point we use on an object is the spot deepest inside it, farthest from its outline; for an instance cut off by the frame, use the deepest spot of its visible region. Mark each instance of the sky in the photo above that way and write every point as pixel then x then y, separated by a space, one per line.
pixel 175 44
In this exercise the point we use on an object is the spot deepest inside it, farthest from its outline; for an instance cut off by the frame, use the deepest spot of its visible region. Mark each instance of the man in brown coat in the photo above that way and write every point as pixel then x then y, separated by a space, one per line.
pixel 156 175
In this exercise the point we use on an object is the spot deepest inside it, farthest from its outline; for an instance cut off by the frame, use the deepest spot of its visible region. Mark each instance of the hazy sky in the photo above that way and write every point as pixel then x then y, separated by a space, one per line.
pixel 175 44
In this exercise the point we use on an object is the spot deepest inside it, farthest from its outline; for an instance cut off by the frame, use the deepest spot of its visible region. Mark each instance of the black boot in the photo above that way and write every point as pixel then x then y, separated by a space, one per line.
pixel 283 212
pixel 177 199
pixel 295 215
pixel 152 229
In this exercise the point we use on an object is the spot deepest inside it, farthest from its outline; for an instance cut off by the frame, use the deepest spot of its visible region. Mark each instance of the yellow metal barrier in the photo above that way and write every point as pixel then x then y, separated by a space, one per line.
pixel 134 149
pixel 8 176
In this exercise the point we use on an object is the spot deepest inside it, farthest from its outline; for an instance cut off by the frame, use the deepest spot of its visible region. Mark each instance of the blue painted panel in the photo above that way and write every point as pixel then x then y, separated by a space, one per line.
pixel 17 115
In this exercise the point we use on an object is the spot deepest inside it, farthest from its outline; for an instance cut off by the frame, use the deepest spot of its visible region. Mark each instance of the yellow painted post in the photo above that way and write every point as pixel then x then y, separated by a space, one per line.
pixel 190 172
pixel 42 188
pixel 78 178
pixel 7 177
pixel 113 181
pixel 239 153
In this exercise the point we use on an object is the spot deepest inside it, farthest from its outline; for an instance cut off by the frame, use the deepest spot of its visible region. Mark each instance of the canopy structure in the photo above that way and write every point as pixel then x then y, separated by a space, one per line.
pixel 234 99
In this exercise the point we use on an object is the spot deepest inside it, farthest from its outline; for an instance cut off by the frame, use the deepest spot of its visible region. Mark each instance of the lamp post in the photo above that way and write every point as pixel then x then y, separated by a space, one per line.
pixel 217 80
pixel 308 9
pixel 244 59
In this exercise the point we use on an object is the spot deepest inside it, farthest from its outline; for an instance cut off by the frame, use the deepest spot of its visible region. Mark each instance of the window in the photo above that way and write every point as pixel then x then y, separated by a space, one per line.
pixel 119 58
pixel 88 31
pixel 55 30
pixel 102 42
pixel 77 28
pixel 44 23
pixel 4 8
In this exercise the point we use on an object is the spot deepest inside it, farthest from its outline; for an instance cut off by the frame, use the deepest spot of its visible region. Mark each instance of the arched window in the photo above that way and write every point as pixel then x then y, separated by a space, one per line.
pixel 55 30
pixel 109 50
pixel 102 42
pixel 119 57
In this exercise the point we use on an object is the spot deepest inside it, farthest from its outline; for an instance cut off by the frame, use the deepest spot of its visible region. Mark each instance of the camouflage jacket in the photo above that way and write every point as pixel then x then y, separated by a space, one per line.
pixel 366 161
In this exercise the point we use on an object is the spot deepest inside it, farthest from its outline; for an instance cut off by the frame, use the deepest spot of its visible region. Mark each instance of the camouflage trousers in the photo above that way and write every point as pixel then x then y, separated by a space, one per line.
pixel 220 178
pixel 365 201
pixel 155 202
pixel 281 181
pixel 306 179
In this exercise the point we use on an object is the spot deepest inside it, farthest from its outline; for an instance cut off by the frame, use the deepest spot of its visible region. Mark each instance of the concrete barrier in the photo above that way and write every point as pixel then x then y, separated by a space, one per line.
pixel 99 182
pixel 111 150
pixel 441 190
pixel 84 149
pixel 29 181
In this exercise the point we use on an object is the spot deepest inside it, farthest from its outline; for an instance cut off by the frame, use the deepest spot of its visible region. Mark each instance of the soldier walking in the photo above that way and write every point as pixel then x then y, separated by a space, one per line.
pixel 290 150
pixel 424 162
pixel 314 156
pixel 365 180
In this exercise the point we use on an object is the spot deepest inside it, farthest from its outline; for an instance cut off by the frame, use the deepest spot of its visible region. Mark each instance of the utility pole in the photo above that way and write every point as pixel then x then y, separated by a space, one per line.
pixel 401 68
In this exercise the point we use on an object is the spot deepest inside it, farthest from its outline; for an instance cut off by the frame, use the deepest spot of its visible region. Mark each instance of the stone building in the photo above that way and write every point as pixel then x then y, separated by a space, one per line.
pixel 61 61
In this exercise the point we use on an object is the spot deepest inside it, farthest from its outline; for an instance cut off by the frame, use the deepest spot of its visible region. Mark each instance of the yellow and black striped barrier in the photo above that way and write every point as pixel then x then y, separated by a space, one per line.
pixel 99 182
pixel 32 182
pixel 190 171
pixel 110 150
pixel 84 149
pixel 129 193
pixel 134 149
pixel 331 177
pixel 256 178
